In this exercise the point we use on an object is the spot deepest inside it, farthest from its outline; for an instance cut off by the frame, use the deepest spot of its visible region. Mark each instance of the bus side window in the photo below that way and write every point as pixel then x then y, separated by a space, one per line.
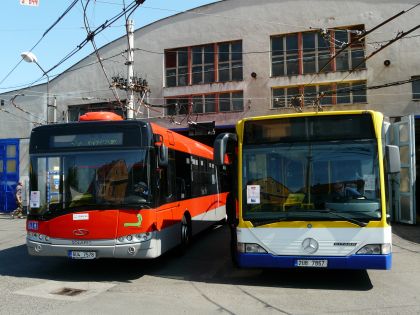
pixel 180 188
pixel 167 179
pixel 183 173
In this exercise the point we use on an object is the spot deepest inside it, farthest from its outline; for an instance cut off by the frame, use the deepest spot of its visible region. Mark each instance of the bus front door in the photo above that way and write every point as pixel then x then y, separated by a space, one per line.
pixel 404 193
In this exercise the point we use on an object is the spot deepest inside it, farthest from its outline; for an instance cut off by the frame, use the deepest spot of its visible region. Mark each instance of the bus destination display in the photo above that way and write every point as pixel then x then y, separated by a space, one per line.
pixel 87 140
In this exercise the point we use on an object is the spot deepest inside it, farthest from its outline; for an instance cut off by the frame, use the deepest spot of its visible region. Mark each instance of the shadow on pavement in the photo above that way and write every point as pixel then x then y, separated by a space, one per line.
pixel 408 232
pixel 207 260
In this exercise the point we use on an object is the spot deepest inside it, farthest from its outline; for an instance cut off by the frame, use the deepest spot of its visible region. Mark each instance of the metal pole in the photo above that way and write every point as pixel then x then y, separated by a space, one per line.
pixel 130 70
pixel 48 96
pixel 48 99
pixel 55 110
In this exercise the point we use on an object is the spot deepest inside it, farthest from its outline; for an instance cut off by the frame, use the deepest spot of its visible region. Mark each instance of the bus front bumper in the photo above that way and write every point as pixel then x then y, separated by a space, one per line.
pixel 383 262
pixel 143 250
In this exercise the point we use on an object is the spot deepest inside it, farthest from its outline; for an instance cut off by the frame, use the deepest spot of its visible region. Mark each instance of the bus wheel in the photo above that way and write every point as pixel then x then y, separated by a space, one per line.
pixel 186 233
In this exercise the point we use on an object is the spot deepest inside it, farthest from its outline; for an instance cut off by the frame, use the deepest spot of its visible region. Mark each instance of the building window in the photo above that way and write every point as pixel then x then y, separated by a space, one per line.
pixel 358 92
pixel 231 102
pixel 203 64
pixel 325 94
pixel 205 104
pixel 177 106
pixel 176 64
pixel 197 65
pixel 210 103
pixel 197 104
pixel 230 61
pixel 416 87
pixel 309 52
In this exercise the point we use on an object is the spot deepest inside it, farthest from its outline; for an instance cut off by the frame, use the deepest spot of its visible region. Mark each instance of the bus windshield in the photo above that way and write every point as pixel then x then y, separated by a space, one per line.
pixel 92 180
pixel 311 180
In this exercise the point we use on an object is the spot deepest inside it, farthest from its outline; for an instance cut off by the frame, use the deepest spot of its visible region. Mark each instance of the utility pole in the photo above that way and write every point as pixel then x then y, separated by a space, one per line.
pixel 130 71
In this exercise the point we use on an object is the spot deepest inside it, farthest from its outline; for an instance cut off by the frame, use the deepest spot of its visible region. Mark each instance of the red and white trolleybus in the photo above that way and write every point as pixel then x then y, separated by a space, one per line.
pixel 118 188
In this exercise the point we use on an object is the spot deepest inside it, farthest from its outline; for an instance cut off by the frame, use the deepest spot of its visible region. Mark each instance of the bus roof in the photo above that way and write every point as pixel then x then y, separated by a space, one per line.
pixel 305 114
pixel 171 139
pixel 179 142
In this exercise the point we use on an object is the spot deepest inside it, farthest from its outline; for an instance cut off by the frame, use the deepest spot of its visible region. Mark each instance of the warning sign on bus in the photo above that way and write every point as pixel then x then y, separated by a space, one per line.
pixel 32 3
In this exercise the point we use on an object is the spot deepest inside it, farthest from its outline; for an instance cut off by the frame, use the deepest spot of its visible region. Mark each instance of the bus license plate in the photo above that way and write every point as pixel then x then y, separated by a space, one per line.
pixel 73 254
pixel 312 263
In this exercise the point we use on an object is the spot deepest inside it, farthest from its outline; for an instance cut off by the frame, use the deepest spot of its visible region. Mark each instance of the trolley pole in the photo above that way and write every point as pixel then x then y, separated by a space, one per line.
pixel 130 71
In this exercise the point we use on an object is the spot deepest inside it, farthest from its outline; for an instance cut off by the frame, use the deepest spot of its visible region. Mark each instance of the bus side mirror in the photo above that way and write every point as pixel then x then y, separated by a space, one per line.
pixel 220 146
pixel 163 155
pixel 162 150
pixel 392 156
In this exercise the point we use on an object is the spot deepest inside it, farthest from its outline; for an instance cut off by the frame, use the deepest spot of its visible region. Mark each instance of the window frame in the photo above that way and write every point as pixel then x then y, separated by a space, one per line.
pixel 203 65
pixel 415 85
pixel 205 99
pixel 232 65
pixel 280 95
pixel 317 51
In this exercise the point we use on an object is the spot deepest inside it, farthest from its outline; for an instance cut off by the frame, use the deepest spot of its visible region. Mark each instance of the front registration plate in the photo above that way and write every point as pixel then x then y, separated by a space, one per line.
pixel 73 254
pixel 319 263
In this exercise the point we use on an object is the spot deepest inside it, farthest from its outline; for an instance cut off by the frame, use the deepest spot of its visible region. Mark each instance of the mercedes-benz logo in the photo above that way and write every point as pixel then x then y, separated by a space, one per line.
pixel 80 232
pixel 309 245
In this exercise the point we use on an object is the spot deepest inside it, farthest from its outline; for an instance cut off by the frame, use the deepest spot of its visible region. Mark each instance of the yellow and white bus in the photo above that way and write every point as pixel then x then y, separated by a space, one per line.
pixel 310 190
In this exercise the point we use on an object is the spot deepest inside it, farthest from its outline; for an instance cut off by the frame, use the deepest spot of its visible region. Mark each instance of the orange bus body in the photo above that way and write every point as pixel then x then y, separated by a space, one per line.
pixel 133 232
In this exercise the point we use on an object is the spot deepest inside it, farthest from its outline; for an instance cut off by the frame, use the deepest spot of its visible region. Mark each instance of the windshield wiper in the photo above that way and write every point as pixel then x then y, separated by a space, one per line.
pixel 352 220
pixel 259 222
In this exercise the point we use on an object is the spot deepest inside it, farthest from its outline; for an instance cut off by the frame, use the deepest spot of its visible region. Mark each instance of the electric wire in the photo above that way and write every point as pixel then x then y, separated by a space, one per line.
pixel 99 27
pixel 93 33
pixel 358 39
pixel 374 52
pixel 398 37
pixel 92 40
pixel 12 100
pixel 42 37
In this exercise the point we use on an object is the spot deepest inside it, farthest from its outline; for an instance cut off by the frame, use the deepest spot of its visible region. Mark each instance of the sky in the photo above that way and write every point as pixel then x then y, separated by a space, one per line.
pixel 21 27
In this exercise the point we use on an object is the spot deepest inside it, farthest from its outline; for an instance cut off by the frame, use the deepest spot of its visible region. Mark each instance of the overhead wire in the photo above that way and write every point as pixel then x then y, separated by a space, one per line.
pixel 124 11
pixel 398 37
pixel 42 37
pixel 358 39
pixel 92 40
pixel 97 30
pixel 19 117
pixel 93 33
pixel 12 100
pixel 184 11
pixel 88 37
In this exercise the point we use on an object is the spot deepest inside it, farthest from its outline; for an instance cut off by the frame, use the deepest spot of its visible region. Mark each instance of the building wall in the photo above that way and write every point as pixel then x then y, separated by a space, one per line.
pixel 253 22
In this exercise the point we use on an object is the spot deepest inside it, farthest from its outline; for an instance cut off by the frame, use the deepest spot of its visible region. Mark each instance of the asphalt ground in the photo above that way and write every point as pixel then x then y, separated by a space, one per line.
pixel 203 281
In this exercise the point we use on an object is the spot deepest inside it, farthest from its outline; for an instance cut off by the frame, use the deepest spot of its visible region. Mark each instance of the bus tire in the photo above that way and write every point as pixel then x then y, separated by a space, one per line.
pixel 186 234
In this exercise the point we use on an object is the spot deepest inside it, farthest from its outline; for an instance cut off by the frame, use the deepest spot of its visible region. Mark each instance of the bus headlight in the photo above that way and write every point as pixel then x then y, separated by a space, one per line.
pixel 143 237
pixel 37 237
pixel 134 238
pixel 375 249
pixel 250 248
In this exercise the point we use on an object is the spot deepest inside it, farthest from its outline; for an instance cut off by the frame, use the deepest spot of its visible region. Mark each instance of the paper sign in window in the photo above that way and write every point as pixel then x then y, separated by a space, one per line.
pixel 253 194
pixel 34 199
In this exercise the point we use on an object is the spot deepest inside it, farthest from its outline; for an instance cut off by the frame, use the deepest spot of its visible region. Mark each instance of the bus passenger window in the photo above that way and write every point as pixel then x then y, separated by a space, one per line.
pixel 180 188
